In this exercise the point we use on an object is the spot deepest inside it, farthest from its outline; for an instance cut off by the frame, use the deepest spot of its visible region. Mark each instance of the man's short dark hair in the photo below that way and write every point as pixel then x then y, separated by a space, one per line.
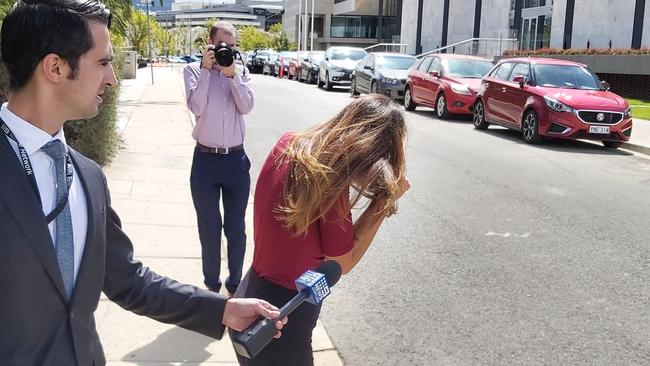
pixel 35 28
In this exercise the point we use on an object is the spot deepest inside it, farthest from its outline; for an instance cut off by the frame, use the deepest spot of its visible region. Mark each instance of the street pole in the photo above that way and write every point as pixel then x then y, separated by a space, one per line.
pixel 304 35
pixel 299 24
pixel 311 46
pixel 149 37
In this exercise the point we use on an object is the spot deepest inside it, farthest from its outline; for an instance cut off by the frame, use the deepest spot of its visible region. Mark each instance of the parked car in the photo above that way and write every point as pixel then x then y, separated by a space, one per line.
pixel 448 83
pixel 383 73
pixel 337 66
pixel 294 64
pixel 268 67
pixel 552 98
pixel 283 62
pixel 309 66
pixel 257 61
pixel 190 58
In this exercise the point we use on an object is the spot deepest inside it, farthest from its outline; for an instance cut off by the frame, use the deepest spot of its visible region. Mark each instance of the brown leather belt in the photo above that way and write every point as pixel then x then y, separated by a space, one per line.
pixel 218 150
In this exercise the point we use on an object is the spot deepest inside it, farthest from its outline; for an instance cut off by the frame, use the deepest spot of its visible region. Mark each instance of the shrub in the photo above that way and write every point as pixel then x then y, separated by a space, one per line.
pixel 579 51
pixel 96 138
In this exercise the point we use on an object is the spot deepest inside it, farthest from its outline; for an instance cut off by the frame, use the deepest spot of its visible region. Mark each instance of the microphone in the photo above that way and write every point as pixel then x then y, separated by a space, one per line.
pixel 313 286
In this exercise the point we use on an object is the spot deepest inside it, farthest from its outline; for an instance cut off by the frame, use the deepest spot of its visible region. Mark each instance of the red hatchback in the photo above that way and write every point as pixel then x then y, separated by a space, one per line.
pixel 447 83
pixel 552 98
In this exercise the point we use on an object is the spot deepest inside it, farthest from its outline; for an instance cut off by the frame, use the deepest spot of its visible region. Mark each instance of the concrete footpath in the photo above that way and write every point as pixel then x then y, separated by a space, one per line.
pixel 149 183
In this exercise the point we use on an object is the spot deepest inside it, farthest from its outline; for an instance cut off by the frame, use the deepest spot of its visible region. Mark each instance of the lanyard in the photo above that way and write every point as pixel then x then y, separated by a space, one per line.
pixel 29 172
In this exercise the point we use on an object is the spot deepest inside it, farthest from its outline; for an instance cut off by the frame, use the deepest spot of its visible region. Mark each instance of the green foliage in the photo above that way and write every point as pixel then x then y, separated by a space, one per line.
pixel 280 40
pixel 137 31
pixel 97 138
pixel 579 51
pixel 251 38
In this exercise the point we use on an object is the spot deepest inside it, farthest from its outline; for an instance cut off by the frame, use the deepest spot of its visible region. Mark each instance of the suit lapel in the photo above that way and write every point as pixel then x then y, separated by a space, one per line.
pixel 93 186
pixel 20 200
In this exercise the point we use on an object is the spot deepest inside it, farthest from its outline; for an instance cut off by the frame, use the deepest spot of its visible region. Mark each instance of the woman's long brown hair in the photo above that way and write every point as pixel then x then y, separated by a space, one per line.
pixel 362 146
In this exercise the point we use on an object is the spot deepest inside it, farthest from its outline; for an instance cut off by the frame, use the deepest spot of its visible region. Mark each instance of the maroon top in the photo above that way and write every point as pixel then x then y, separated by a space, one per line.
pixel 280 256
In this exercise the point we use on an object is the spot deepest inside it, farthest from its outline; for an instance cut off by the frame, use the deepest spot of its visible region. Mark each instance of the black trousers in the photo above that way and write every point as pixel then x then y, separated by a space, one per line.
pixel 294 347
pixel 214 175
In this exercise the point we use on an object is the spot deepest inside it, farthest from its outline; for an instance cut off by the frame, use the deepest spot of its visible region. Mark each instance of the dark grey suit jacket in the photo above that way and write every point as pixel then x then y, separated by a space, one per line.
pixel 37 324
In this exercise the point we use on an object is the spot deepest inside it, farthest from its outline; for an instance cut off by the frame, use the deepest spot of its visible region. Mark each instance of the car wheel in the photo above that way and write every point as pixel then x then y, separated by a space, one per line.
pixel 374 88
pixel 328 83
pixel 409 105
pixel 530 128
pixel 479 116
pixel 441 107
pixel 319 84
pixel 353 87
pixel 612 144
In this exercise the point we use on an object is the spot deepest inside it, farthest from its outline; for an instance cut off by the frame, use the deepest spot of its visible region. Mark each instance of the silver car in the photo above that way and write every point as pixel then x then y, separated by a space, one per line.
pixel 336 68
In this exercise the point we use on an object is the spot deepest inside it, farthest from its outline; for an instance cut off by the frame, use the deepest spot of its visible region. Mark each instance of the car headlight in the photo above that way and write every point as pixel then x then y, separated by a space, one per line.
pixel 556 105
pixel 390 81
pixel 628 112
pixel 461 89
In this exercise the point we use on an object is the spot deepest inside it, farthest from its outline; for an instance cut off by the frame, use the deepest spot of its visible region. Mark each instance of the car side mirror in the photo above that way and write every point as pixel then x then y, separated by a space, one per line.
pixel 519 80
pixel 306 60
pixel 327 58
pixel 606 85
pixel 368 67
pixel 435 74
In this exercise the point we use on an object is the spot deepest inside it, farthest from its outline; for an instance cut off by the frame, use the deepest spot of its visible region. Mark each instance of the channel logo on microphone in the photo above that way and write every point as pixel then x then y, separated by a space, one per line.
pixel 316 284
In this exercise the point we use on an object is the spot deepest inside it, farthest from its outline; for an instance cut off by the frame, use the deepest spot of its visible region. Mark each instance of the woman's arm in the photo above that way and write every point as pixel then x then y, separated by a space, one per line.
pixel 365 230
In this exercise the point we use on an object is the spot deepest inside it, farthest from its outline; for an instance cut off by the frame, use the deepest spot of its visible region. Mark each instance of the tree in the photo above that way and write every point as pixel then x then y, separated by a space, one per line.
pixel 165 40
pixel 137 30
pixel 280 40
pixel 251 38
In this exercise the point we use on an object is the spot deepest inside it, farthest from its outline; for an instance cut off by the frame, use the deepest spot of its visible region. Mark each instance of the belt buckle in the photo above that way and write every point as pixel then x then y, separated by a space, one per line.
pixel 223 150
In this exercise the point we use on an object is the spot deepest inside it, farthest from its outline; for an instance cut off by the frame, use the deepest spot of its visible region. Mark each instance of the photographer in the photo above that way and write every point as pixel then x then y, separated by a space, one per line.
pixel 219 95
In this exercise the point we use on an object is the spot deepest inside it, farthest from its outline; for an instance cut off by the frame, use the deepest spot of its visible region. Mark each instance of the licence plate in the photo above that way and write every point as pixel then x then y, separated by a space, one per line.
pixel 599 129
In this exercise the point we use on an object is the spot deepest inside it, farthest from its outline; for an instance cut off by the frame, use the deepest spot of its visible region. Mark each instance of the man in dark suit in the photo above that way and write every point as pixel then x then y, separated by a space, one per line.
pixel 61 243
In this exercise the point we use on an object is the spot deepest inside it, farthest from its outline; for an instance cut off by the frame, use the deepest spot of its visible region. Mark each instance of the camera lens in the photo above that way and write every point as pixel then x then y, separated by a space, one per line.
pixel 224 55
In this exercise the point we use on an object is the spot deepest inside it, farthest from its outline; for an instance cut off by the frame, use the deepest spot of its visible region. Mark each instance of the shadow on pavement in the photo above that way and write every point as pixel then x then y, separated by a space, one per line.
pixel 177 344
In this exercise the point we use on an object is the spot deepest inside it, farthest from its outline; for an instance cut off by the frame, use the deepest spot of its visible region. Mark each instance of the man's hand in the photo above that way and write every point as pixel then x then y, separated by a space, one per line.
pixel 241 312
pixel 229 71
pixel 208 60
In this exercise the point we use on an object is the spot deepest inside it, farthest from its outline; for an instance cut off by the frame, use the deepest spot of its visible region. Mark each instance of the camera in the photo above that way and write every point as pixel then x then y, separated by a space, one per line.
pixel 225 55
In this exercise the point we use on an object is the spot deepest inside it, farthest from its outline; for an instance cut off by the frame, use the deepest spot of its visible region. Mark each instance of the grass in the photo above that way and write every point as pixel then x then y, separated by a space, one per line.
pixel 640 108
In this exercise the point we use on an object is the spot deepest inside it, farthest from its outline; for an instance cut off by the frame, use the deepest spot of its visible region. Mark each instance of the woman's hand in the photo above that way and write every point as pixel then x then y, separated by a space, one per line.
pixel 404 186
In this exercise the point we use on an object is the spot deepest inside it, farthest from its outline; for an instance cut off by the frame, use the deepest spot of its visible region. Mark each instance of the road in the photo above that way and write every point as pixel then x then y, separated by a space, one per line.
pixel 501 253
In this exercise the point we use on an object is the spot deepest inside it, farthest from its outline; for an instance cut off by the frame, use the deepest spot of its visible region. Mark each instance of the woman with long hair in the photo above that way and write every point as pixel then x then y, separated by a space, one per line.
pixel 302 209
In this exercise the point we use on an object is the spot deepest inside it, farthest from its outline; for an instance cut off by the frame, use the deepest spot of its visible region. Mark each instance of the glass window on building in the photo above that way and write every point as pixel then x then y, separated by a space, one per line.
pixel 354 27
pixel 537 3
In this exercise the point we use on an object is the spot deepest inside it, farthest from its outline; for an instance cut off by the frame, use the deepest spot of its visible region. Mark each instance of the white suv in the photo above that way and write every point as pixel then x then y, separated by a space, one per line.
pixel 338 65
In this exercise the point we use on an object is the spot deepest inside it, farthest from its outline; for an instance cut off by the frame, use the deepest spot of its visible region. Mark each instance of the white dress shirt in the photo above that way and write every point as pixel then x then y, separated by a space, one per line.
pixel 32 139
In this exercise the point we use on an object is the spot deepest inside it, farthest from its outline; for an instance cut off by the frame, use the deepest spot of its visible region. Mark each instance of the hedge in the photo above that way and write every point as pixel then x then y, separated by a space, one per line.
pixel 579 51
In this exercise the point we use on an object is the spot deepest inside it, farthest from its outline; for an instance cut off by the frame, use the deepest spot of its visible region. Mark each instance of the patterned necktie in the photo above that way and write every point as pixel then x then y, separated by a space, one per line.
pixel 64 235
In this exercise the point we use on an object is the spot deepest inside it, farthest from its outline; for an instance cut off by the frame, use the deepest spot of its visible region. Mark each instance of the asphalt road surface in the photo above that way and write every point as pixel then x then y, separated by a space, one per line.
pixel 501 254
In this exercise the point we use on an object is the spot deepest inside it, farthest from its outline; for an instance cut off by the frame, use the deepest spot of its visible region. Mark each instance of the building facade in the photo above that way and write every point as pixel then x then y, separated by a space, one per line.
pixel 360 23
pixel 431 24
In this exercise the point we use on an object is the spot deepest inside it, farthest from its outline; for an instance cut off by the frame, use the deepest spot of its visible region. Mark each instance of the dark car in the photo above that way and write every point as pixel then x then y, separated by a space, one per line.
pixel 552 98
pixel 269 64
pixel 282 63
pixel 308 71
pixel 383 73
pixel 257 61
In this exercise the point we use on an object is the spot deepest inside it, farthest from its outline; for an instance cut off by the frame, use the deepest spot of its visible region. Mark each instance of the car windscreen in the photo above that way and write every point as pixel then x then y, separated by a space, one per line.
pixel 475 69
pixel 288 55
pixel 566 76
pixel 354 55
pixel 394 62
pixel 317 57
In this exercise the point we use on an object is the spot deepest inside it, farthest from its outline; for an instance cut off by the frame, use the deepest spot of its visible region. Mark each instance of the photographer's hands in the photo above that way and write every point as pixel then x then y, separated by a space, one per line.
pixel 208 60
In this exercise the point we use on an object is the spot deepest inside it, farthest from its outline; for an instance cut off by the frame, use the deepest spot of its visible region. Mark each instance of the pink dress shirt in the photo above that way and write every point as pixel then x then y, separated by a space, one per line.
pixel 219 103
